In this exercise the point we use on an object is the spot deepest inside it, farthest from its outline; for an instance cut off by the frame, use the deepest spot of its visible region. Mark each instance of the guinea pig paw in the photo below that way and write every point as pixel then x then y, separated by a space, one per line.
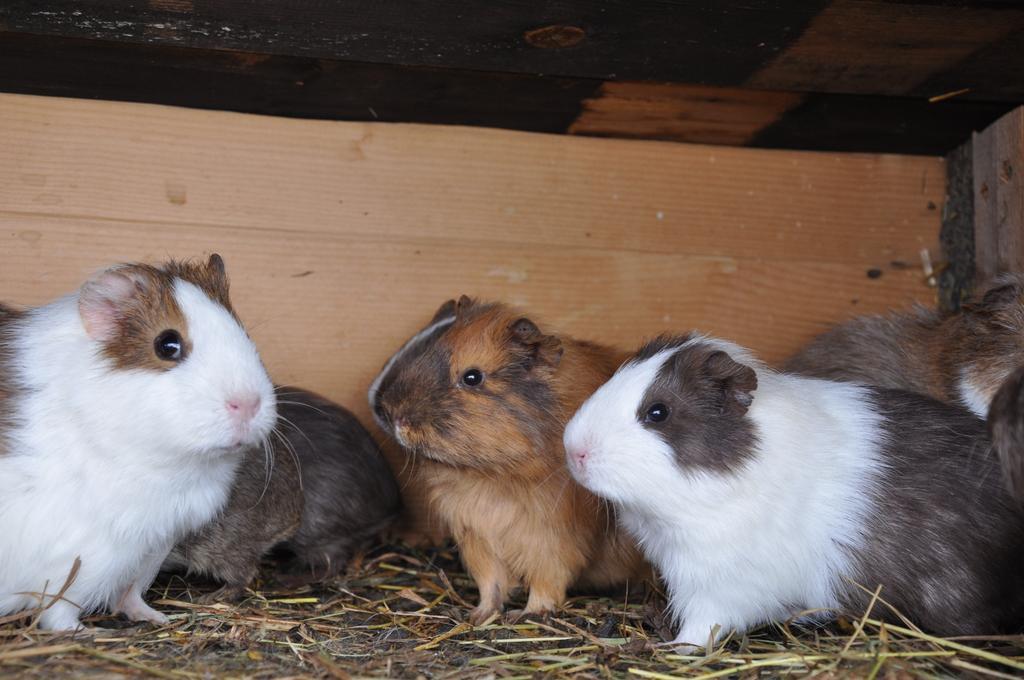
pixel 517 615
pixel 136 609
pixel 481 615
pixel 225 593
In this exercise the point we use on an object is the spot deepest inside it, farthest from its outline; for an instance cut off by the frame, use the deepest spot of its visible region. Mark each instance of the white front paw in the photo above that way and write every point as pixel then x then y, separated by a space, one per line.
pixel 695 637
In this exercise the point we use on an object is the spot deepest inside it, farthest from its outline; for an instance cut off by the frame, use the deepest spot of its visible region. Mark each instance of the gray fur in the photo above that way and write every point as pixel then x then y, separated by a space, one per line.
pixel 886 351
pixel 925 352
pixel 344 496
pixel 8 389
pixel 1006 428
pixel 946 539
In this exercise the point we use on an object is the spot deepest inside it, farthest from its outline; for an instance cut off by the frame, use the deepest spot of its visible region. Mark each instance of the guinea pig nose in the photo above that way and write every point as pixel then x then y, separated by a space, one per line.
pixel 580 456
pixel 244 407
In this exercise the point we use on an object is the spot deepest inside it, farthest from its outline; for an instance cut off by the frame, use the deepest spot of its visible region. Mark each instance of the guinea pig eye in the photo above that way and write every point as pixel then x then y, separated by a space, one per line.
pixel 657 413
pixel 472 377
pixel 168 346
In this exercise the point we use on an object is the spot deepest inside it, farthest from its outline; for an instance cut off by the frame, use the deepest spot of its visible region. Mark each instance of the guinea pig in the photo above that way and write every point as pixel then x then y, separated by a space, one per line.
pixel 1006 429
pixel 961 358
pixel 318 490
pixel 479 399
pixel 126 409
pixel 759 495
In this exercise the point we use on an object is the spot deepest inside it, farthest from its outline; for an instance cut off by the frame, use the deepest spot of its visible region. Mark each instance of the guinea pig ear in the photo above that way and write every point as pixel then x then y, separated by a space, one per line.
pixel 104 299
pixel 1000 305
pixel 465 302
pixel 445 311
pixel 545 349
pixel 736 381
pixel 216 265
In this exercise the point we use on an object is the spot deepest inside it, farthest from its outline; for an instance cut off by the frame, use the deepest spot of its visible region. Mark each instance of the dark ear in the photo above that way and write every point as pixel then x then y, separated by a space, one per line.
pixel 216 265
pixel 465 302
pixel 736 381
pixel 445 311
pixel 1000 305
pixel 544 349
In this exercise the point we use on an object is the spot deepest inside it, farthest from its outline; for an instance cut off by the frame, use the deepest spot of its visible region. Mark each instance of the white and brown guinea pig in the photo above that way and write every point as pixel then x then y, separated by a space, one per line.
pixel 125 409
pixel 317 491
pixel 479 398
pixel 961 358
pixel 759 495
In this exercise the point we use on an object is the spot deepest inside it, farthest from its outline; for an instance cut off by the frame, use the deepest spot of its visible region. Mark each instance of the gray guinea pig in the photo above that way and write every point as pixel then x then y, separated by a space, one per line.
pixel 1006 428
pixel 324 491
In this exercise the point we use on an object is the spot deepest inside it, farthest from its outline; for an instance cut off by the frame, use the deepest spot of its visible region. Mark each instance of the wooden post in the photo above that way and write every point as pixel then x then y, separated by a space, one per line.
pixel 998 168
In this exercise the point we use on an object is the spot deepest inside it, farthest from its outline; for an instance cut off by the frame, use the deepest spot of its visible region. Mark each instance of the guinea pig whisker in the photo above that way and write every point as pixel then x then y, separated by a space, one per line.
pixel 282 420
pixel 291 449
pixel 309 406
pixel 268 467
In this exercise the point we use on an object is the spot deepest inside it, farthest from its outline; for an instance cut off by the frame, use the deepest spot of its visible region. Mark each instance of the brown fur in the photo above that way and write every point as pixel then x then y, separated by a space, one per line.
pixel 152 308
pixel 922 351
pixel 492 456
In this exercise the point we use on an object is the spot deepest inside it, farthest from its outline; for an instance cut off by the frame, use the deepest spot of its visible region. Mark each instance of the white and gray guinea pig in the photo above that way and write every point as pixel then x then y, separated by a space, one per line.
pixel 123 410
pixel 759 495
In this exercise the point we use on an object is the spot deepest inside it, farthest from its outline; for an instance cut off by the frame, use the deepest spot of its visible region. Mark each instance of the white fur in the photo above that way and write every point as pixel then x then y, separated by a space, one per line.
pixel 758 544
pixel 976 401
pixel 371 395
pixel 115 466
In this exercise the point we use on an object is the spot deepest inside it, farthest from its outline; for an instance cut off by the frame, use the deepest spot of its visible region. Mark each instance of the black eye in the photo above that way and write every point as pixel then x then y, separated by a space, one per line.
pixel 657 413
pixel 168 346
pixel 472 377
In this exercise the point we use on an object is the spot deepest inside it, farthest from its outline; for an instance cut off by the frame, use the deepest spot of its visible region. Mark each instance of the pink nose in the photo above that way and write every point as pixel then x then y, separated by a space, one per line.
pixel 579 456
pixel 245 408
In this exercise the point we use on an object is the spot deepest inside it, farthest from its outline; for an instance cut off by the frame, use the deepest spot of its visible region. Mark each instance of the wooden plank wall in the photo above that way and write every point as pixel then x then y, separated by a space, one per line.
pixel 998 172
pixel 342 238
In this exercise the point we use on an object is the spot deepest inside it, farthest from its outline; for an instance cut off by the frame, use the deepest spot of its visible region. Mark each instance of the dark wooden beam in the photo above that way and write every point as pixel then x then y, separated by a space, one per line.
pixel 340 90
pixel 919 48
pixel 287 86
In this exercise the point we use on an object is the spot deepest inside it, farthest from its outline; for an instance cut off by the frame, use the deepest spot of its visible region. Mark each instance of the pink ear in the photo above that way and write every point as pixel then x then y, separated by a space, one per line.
pixel 101 301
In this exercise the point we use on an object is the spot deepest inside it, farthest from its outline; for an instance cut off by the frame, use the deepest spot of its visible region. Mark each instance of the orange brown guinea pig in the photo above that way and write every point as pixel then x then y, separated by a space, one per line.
pixel 480 398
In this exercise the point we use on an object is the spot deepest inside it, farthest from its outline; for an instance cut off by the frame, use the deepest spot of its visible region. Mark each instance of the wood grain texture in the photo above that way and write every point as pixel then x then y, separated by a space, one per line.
pixel 999 197
pixel 696 42
pixel 305 87
pixel 849 46
pixel 891 48
pixel 342 239
pixel 685 113
pixel 178 166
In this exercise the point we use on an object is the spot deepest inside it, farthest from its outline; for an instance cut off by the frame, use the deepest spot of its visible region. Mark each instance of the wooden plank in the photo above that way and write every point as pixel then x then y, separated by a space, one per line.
pixel 174 166
pixel 875 47
pixel 682 113
pixel 872 123
pixel 339 90
pixel 846 46
pixel 999 197
pixel 291 86
pixel 327 310
pixel 342 238
pixel 696 42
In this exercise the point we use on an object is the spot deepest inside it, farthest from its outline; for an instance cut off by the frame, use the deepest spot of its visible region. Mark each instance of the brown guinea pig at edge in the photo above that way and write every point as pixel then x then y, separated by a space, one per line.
pixel 959 358
pixel 324 491
pixel 480 398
